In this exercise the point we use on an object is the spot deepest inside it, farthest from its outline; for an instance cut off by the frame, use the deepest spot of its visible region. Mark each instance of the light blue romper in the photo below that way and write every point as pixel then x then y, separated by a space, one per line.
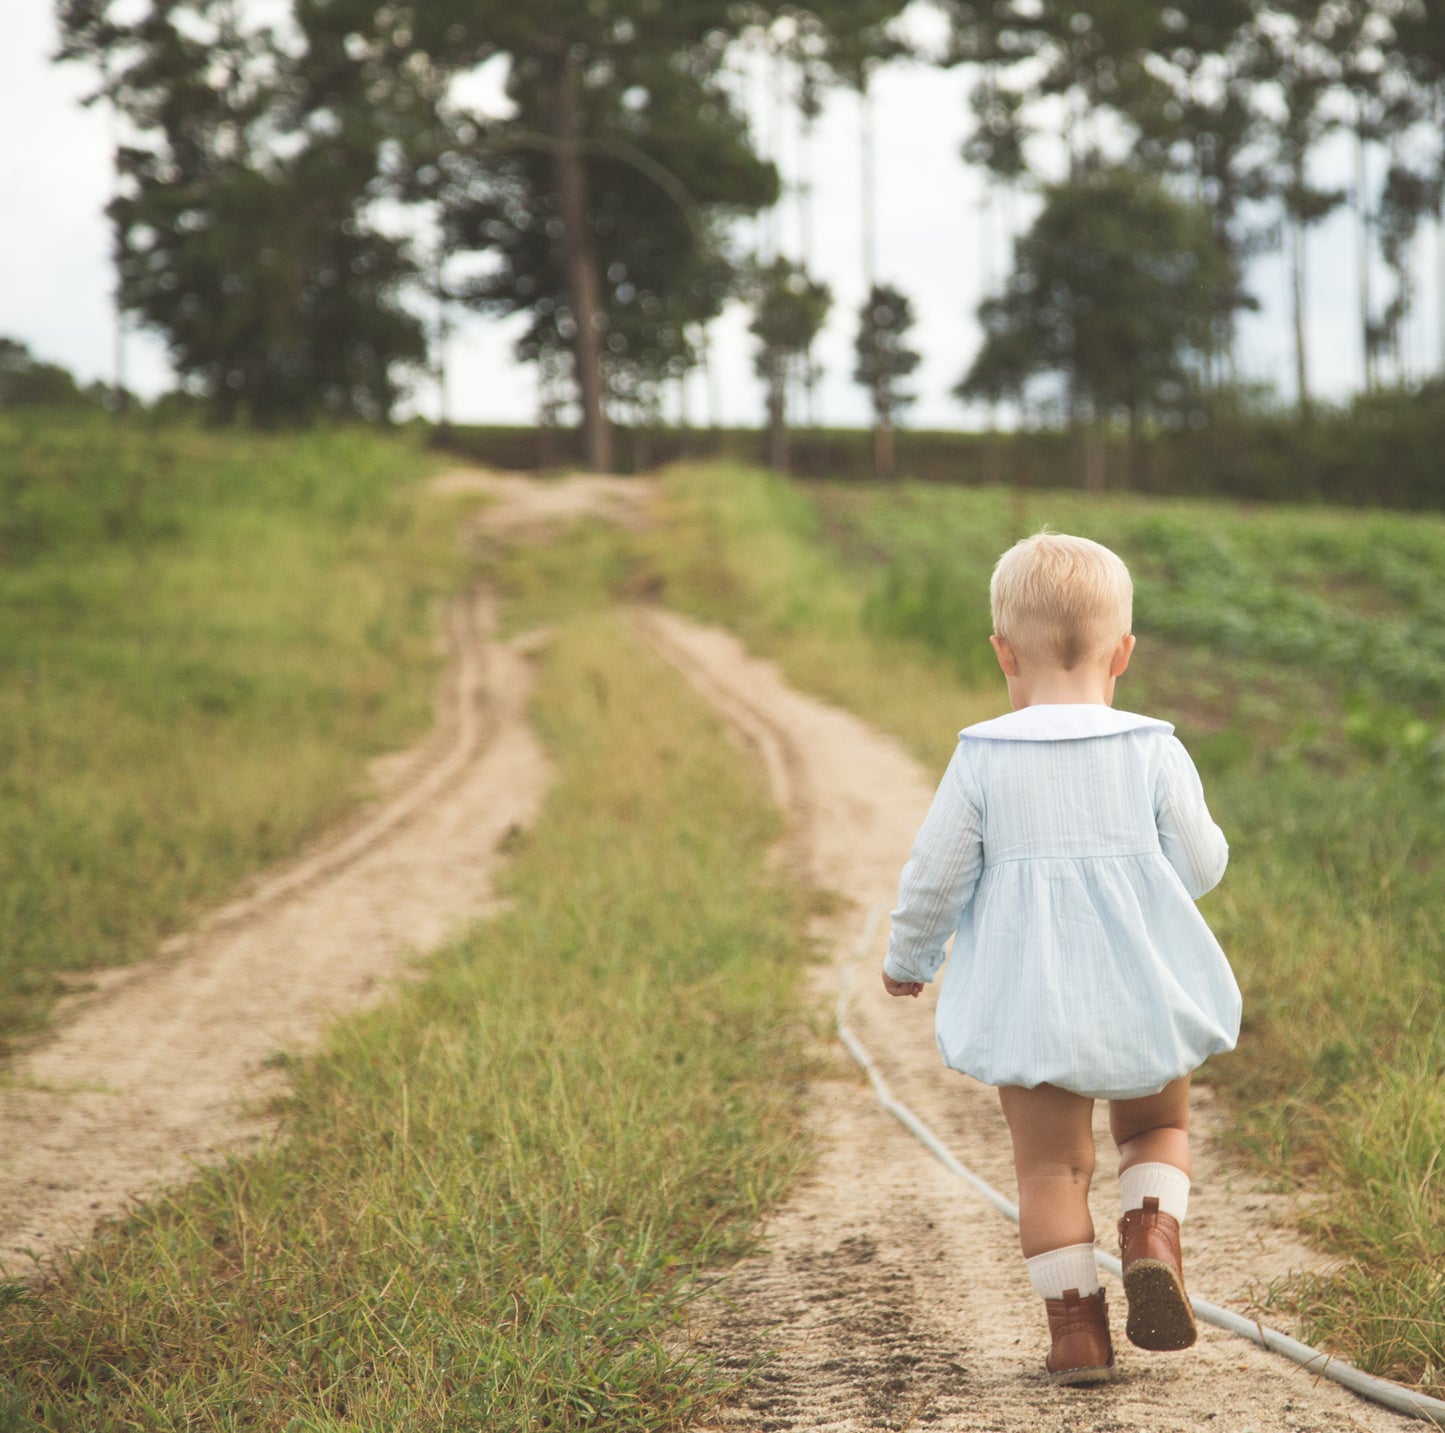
pixel 1067 845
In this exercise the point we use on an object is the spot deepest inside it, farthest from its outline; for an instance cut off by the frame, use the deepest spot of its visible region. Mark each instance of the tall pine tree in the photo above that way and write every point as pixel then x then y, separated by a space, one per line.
pixel 241 223
pixel 883 360
pixel 602 200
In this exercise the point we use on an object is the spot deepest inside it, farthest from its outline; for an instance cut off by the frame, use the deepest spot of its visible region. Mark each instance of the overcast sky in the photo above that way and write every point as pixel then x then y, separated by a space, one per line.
pixel 56 278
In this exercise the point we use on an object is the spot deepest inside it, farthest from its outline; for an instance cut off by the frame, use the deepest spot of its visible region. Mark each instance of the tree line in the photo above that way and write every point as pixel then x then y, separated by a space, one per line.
pixel 1186 135
pixel 1169 147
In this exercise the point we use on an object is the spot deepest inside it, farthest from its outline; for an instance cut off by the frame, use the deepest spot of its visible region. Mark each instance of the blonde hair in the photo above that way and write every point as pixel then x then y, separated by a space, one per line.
pixel 1060 599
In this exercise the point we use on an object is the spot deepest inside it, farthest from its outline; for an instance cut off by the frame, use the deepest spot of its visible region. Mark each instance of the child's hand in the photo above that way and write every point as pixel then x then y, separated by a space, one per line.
pixel 902 987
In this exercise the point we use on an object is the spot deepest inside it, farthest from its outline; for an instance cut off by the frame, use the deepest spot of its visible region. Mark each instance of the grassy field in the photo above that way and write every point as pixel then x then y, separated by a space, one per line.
pixel 489 1197
pixel 203 636
pixel 487 1201
pixel 1301 654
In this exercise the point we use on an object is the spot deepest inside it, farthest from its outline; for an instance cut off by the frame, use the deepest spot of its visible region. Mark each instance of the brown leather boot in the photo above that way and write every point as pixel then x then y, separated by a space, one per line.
pixel 1159 1314
pixel 1082 1351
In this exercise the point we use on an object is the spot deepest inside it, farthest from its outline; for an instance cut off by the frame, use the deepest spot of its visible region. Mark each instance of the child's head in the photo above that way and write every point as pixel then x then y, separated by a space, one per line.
pixel 1059 600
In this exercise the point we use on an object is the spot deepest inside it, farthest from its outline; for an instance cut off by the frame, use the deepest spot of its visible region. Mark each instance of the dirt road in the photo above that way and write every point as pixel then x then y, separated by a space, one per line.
pixel 890 1296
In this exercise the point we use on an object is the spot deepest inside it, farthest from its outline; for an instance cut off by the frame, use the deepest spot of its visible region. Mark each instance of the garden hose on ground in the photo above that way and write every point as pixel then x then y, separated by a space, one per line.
pixel 1367 1385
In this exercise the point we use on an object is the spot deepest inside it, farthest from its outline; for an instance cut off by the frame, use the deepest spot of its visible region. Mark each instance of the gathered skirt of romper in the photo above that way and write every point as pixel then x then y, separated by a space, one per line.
pixel 1115 987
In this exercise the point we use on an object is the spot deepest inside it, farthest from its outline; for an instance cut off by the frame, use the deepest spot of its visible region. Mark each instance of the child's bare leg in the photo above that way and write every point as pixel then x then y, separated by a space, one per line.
pixel 1053 1142
pixel 1154 1129
pixel 1153 1138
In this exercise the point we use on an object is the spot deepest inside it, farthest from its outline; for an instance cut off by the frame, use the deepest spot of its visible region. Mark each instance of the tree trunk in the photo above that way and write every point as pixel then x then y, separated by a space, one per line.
pixel 1362 252
pixel 1297 296
pixel 810 418
pixel 777 411
pixel 546 412
pixel 580 261
pixel 1094 456
pixel 709 379
pixel 120 397
pixel 882 442
pixel 883 457
pixel 443 332
pixel 866 184
pixel 1440 274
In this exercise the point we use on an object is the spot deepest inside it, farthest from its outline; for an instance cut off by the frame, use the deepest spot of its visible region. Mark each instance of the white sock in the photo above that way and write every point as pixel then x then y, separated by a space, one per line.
pixel 1059 1269
pixel 1164 1182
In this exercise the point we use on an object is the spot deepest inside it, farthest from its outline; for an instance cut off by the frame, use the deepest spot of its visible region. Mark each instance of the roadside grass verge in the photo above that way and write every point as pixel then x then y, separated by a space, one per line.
pixel 737 547
pixel 489 1197
pixel 1327 774
pixel 204 637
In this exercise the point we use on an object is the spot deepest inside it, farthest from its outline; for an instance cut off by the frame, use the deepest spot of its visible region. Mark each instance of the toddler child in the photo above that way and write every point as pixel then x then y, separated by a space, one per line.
pixel 1066 845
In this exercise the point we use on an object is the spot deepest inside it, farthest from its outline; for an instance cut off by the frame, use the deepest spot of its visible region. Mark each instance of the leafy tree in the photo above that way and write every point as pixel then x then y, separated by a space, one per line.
pixel 1087 55
pixel 1408 196
pixel 1170 87
pixel 26 381
pixel 1111 297
pixel 789 310
pixel 603 201
pixel 848 39
pixel 241 229
pixel 664 166
pixel 840 42
pixel 1419 52
pixel 1356 30
pixel 1306 73
pixel 996 141
pixel 613 177
pixel 1201 119
pixel 883 361
pixel 1413 85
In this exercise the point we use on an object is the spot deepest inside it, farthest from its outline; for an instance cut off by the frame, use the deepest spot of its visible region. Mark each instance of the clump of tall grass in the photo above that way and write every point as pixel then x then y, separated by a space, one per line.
pixel 491 1195
pixel 204 636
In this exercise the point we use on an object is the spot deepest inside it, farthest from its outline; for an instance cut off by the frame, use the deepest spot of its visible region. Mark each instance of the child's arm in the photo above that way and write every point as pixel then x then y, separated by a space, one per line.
pixel 937 882
pixel 1190 840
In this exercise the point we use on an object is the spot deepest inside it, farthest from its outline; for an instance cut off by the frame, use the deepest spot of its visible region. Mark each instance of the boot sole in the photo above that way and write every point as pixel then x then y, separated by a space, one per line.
pixel 1073 1377
pixel 1160 1318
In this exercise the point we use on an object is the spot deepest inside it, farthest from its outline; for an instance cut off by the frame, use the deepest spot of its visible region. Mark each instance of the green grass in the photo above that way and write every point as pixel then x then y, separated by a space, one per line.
pixel 491 1197
pixel 488 1201
pixel 204 636
pixel 741 549
pixel 1299 654
pixel 1352 597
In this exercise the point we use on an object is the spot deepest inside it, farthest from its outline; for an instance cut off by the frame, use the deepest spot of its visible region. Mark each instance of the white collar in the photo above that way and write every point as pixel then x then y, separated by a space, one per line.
pixel 1062 721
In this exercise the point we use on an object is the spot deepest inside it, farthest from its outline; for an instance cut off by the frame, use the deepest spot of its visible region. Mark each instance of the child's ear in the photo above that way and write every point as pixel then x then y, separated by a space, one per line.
pixel 1005 654
pixel 1119 662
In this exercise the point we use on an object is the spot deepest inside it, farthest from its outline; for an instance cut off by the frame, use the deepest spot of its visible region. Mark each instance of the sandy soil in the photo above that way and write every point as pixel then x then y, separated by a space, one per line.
pixel 890 1296
pixel 525 509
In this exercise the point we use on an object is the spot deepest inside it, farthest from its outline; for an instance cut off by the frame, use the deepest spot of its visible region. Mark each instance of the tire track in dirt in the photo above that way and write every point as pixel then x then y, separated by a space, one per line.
pixel 165 1064
pixel 888 1296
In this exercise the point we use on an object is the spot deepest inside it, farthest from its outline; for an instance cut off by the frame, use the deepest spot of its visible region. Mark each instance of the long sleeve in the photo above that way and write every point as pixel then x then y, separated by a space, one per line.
pixel 939 879
pixel 1190 840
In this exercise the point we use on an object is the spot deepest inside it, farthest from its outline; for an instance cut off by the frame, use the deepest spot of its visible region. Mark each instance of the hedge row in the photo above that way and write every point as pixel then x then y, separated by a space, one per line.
pixel 1385 450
